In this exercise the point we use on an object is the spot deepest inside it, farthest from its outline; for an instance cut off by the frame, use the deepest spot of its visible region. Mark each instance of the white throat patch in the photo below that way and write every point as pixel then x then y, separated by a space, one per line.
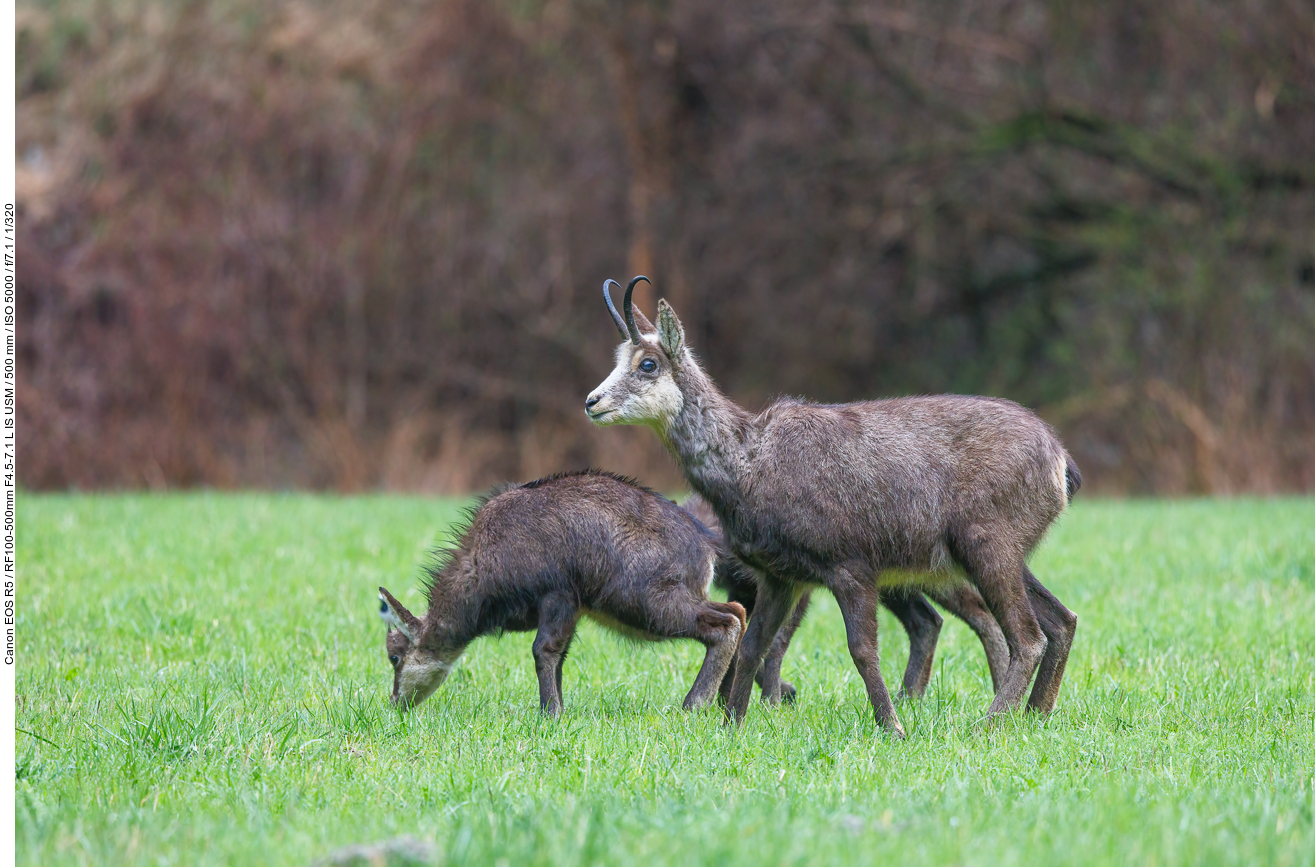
pixel 421 675
pixel 633 399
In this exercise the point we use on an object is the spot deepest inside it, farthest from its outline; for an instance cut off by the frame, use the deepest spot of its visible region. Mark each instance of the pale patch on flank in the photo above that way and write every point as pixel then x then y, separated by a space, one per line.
pixel 916 579
pixel 940 558
pixel 712 572
pixel 1061 481
pixel 617 626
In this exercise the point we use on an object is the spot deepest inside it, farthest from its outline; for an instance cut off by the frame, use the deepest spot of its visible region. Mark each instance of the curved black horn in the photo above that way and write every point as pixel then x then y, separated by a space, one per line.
pixel 630 312
pixel 611 308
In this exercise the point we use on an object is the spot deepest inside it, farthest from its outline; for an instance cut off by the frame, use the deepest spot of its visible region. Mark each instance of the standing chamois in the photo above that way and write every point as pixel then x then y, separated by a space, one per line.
pixel 739 585
pixel 919 619
pixel 538 556
pixel 858 497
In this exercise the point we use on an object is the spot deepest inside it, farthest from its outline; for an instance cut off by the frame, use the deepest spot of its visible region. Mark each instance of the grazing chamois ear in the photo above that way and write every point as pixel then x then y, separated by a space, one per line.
pixel 670 333
pixel 397 617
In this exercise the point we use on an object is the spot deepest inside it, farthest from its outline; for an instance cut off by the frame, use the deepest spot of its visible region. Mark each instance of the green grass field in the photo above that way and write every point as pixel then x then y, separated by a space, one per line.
pixel 201 680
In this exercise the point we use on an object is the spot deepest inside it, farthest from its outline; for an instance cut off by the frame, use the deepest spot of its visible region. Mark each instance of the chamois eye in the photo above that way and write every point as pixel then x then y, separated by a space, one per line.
pixel 393 659
pixel 648 365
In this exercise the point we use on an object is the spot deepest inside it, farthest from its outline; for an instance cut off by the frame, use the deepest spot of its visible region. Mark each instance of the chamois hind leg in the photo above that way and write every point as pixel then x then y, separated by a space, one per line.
pixel 557 618
pixel 774 689
pixel 965 603
pixel 998 575
pixel 923 625
pixel 857 599
pixel 719 626
pixel 1059 625
pixel 776 599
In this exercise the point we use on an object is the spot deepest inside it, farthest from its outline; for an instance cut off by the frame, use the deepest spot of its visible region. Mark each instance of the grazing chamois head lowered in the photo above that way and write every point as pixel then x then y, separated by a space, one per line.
pixel 538 556
pixel 858 497
pixel 418 668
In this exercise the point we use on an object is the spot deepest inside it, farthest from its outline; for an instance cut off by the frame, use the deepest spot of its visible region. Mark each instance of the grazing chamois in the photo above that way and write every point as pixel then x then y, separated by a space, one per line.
pixel 540 555
pixel 857 497
pixel 918 618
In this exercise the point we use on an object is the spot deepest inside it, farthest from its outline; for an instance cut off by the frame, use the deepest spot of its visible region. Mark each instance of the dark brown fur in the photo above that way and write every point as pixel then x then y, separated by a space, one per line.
pixel 847 496
pixel 540 555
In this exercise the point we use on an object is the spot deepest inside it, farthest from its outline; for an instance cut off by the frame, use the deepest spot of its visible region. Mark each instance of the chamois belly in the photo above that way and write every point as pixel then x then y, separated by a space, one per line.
pixel 897 559
pixel 623 629
pixel 921 563
pixel 917 579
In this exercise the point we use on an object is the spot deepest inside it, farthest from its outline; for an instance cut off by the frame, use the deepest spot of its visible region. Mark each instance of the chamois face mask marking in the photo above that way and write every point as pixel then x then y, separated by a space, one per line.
pixel 421 674
pixel 640 388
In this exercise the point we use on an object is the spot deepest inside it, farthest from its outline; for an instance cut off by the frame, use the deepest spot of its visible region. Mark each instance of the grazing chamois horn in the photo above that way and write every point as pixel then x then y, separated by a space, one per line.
pixel 611 308
pixel 630 310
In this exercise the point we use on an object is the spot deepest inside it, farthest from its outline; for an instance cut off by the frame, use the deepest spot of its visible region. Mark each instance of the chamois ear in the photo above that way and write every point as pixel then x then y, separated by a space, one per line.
pixel 670 333
pixel 641 322
pixel 396 616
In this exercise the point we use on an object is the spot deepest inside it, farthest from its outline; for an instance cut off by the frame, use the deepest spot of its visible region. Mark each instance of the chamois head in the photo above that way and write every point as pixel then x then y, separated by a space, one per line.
pixel 420 663
pixel 642 387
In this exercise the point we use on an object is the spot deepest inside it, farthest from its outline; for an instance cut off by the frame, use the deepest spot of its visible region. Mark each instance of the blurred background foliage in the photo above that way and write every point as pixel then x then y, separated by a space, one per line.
pixel 355 245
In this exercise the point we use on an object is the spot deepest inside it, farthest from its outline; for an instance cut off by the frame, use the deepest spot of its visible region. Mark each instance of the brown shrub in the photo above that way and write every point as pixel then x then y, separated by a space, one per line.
pixel 357 245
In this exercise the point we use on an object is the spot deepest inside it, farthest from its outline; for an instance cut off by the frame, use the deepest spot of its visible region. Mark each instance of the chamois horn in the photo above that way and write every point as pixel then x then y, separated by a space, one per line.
pixel 630 311
pixel 611 308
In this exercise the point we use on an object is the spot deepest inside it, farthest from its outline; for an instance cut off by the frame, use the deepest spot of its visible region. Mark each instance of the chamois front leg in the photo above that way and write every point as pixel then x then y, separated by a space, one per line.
pixel 557 618
pixel 775 600
pixel 774 689
pixel 857 600
pixel 561 661
pixel 923 626
pixel 744 594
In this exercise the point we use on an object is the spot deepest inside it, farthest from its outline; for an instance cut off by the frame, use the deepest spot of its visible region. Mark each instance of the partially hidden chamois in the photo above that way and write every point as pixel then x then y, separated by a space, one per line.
pixel 542 554
pixel 919 619
pixel 858 497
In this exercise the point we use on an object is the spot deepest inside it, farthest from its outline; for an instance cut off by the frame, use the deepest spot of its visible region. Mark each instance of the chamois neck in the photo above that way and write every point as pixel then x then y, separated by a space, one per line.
pixel 452 620
pixel 708 437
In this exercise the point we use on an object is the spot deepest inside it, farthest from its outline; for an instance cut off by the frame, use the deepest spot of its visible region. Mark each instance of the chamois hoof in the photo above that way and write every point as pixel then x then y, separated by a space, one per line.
pixel 785 695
